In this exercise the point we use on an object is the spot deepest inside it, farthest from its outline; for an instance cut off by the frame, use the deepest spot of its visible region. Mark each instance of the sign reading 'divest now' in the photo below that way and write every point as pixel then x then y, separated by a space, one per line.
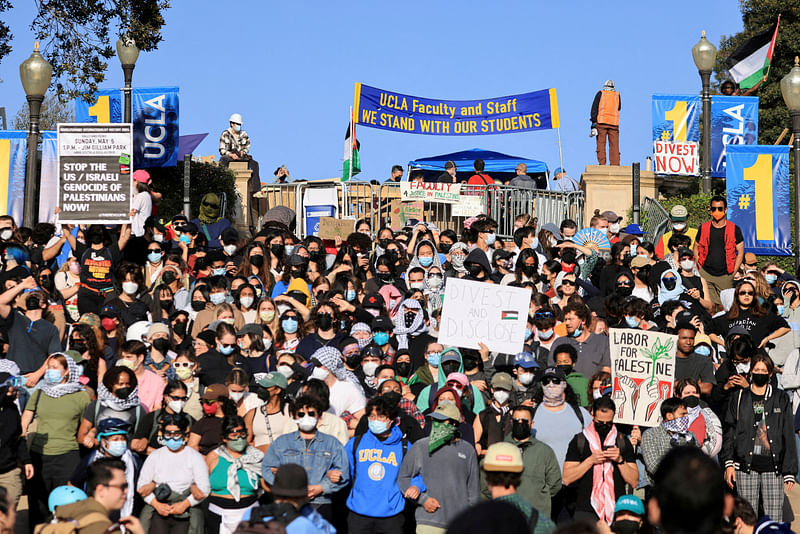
pixel 94 173
pixel 477 312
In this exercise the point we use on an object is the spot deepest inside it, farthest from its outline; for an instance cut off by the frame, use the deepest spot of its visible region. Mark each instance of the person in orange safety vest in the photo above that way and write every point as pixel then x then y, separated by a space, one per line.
pixel 605 122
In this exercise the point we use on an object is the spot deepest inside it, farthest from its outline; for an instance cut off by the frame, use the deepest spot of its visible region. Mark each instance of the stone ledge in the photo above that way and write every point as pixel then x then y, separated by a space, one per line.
pixel 610 187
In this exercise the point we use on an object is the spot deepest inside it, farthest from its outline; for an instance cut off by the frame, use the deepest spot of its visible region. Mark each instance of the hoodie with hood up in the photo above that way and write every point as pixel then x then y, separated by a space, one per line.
pixel 425 396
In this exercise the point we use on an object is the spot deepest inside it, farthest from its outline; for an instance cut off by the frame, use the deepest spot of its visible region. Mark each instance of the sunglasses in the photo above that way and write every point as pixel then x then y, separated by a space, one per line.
pixel 176 434
pixel 210 205
pixel 178 365
pixel 542 315
pixel 310 413
pixel 549 380
pixel 227 345
pixel 178 398
pixel 522 420
pixel 623 284
pixel 122 487
pixel 750 293
pixel 717 208
pixel 568 283
pixel 237 434
pixel 754 264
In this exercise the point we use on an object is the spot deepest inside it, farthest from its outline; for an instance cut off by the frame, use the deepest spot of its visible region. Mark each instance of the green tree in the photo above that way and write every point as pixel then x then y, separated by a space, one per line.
pixel 78 37
pixel 53 112
pixel 757 15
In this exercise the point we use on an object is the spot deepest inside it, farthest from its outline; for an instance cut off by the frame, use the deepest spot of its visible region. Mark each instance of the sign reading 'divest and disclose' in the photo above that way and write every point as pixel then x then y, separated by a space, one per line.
pixel 476 312
pixel 94 173
pixel 387 110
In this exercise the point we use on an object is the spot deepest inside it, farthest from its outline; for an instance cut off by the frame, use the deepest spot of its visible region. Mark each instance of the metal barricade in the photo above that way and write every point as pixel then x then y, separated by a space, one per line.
pixel 654 220
pixel 289 195
pixel 358 201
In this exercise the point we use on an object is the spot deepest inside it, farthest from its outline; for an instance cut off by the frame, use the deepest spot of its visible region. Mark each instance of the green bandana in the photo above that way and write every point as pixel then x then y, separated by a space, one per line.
pixel 208 213
pixel 441 435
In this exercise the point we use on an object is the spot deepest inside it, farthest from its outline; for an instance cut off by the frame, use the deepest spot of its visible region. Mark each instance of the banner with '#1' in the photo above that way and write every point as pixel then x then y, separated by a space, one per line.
pixel 676 133
pixel 758 197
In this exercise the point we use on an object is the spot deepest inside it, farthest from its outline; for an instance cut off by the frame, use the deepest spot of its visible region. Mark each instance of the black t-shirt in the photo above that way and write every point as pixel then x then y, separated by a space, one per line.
pixel 715 264
pixel 210 431
pixel 578 451
pixel 695 366
pixel 759 327
pixel 98 266
pixel 214 367
pixel 131 312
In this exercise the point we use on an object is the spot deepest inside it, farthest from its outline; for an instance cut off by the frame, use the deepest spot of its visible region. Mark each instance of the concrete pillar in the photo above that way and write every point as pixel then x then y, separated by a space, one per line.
pixel 610 187
pixel 240 211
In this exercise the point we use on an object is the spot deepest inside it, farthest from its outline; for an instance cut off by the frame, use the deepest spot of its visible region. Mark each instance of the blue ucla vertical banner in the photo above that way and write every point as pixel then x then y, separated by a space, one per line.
pixel 13 144
pixel 676 118
pixel 48 184
pixel 155 113
pixel 758 197
pixel 106 107
pixel 734 121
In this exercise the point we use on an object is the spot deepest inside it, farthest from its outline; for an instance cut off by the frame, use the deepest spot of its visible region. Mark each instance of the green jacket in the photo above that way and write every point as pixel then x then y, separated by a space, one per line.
pixel 580 385
pixel 541 478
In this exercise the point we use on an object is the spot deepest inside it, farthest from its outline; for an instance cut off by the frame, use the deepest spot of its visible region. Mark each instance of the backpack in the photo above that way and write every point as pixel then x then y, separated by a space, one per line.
pixel 71 526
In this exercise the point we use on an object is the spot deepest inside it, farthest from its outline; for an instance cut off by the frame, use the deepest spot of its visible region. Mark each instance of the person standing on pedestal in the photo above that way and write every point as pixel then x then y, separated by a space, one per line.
pixel 605 122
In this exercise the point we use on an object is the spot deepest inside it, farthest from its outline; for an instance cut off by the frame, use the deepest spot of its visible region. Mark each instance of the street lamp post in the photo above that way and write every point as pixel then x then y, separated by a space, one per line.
pixel 35 73
pixel 127 53
pixel 790 89
pixel 705 55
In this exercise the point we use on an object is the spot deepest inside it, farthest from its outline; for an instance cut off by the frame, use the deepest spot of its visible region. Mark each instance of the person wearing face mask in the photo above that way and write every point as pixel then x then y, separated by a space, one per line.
pixel 526 383
pixel 206 432
pixel 601 460
pixel 672 432
pixel 451 362
pixel 678 217
pixel 565 357
pixel 411 330
pixel 117 398
pixel 256 355
pixel 272 419
pixel 486 232
pixel 218 295
pixel 696 287
pixel 609 276
pixel 67 282
pixel 719 249
pixel 593 355
pixel 703 422
pixel 691 364
pixel 628 515
pixel 145 438
pixel 478 267
pixel 159 357
pixel 346 392
pixel 614 225
pixel 235 478
pixel 427 373
pixel 322 456
pixel 494 422
pixel 132 355
pixel 327 322
pixel 173 481
pixel 758 448
pixel 13 446
pixel 434 289
pixel 457 255
pixel 425 256
pixel 746 311
pixel 238 384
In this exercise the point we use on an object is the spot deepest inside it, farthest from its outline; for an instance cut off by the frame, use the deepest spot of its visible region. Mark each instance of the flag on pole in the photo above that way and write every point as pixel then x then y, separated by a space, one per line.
pixel 750 62
pixel 352 160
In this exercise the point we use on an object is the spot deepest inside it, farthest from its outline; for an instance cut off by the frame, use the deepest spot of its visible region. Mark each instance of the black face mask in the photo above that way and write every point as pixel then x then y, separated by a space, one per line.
pixel 625 526
pixel 470 363
pixel 383 243
pixel 529 270
pixel 123 393
pixel 643 275
pixel 409 318
pixel 386 278
pixel 443 248
pixel 475 270
pixel 257 260
pixel 403 368
pixel 263 393
pixel 759 379
pixel 277 249
pixel 324 321
pixel 299 273
pixel 520 431
pixel 79 346
pixel 166 304
pixel 161 345
pixel 33 302
pixel 670 283
pixel 626 259
pixel 353 361
pixel 624 291
pixel 198 305
pixel 393 397
pixel 449 367
pixel 180 328
pixel 47 283
pixel 96 239
pixel 169 277
pixel 567 369
pixel 691 401
pixel 313 254
pixel 602 429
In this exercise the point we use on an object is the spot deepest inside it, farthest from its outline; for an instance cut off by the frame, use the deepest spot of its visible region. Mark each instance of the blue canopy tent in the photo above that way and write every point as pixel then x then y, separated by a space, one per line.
pixel 501 167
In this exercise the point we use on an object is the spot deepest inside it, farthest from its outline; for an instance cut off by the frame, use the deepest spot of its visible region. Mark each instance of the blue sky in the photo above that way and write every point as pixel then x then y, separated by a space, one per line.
pixel 289 68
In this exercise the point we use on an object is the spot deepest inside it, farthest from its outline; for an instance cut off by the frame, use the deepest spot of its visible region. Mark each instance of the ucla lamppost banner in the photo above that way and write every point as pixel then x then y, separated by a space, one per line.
pixel 154 114
pixel 387 110
pixel 734 121
pixel 13 144
pixel 758 197
pixel 676 133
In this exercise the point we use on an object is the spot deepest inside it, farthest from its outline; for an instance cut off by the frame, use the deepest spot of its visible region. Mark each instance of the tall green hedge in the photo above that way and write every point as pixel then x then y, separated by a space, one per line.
pixel 205 178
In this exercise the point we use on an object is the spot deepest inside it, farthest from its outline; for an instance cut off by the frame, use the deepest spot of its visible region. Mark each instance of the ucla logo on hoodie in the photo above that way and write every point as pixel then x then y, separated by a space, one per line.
pixel 376 470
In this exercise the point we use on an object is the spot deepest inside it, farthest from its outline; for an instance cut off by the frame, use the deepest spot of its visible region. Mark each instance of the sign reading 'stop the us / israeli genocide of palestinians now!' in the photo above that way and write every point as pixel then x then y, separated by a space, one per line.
pixel 642 373
pixel 430 192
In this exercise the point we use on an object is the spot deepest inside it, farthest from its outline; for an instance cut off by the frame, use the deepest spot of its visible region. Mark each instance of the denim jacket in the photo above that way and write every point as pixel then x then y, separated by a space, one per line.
pixel 323 454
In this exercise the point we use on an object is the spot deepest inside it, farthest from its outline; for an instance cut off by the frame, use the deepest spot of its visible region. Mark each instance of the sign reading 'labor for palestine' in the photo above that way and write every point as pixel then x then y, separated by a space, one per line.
pixel 94 173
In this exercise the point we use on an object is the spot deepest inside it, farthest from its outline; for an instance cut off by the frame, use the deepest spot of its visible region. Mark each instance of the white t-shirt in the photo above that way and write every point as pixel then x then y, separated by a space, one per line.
pixel 143 204
pixel 346 397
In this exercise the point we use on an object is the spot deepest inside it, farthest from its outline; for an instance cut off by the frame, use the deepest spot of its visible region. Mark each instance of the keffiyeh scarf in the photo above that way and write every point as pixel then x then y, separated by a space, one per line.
pixel 72 385
pixel 603 499
pixel 110 400
pixel 331 358
pixel 417 327
pixel 250 462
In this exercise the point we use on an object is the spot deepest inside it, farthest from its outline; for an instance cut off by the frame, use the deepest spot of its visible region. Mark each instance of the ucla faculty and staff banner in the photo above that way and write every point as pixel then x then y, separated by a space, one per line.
pixel 155 116
pixel 758 197
pixel 734 121
pixel 387 110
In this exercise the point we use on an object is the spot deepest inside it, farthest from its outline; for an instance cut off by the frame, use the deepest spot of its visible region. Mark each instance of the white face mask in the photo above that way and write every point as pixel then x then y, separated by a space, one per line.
pixel 416 285
pixel 743 368
pixel 369 368
pixel 319 373
pixel 130 288
pixel 230 250
pixel 158 238
pixel 246 302
pixel 6 234
pixel 526 379
pixel 236 396
pixel 596 394
pixel 176 406
pixel 285 370
pixel 687 265
pixel 435 282
pixel 678 226
pixel 614 228
pixel 501 396
pixel 306 423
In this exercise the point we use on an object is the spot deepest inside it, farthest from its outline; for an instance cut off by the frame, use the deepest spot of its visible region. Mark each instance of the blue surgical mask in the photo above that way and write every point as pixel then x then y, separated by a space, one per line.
pixel 289 325
pixel 53 376
pixel 771 278
pixel 546 334
pixel 237 127
pixel 154 257
pixel 185 239
pixel 535 242
pixel 434 359
pixel 781 309
pixel 425 261
pixel 378 427
pixel 350 295
pixel 577 333
pixel 226 351
pixel 173 444
pixel 381 338
pixel 219 272
pixel 490 237
pixel 117 448
pixel 217 298
pixel 632 322
pixel 289 249
pixel 528 334
pixel 702 350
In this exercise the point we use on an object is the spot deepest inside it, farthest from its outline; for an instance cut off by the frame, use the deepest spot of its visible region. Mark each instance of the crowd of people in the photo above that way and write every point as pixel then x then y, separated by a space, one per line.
pixel 181 378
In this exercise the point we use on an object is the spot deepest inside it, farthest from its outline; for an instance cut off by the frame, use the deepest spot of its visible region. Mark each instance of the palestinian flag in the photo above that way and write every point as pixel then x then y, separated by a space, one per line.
pixel 352 160
pixel 509 315
pixel 750 62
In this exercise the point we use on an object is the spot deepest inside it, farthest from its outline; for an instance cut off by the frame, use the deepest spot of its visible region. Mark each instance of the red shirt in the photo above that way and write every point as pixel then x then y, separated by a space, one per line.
pixel 480 179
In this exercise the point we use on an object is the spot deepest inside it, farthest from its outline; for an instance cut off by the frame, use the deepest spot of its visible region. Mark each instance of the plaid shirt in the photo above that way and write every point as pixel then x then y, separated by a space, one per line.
pixel 411 409
pixel 229 143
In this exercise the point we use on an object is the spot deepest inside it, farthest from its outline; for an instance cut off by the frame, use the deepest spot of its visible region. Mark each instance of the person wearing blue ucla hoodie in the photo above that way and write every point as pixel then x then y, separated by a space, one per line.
pixel 376 503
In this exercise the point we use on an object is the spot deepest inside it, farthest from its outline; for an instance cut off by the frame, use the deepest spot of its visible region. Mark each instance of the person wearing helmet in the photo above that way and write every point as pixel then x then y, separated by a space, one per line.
pixel 63 495
pixel 605 122
pixel 113 442
pixel 234 145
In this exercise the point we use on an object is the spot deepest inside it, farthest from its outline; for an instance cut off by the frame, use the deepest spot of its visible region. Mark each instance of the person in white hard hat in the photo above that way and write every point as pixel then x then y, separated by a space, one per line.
pixel 234 145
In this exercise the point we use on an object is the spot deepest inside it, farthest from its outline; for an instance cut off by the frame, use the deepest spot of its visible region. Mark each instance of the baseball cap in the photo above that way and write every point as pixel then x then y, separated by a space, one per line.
pixel 558 171
pixel 215 392
pixel 109 311
pixel 503 457
pixel 157 328
pixel 678 213
pixel 291 480
pixel 382 323
pixel 639 262
pixel 554 372
pixel 373 300
pixel 526 360
pixel 699 339
pixel 553 229
pixel 685 251
pixel 451 356
pixel 141 176
pixel 502 381
pixel 445 411
pixel 750 258
pixel 296 260
pixel 633 229
pixel 611 216
pixel 273 379
pixel 626 503
pixel 251 328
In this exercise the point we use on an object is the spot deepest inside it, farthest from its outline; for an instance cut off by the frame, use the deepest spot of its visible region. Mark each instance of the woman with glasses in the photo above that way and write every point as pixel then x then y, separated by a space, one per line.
pixel 173 482
pixel 235 477
pixel 292 330
pixel 186 369
pixel 145 438
pixel 748 313
pixel 566 286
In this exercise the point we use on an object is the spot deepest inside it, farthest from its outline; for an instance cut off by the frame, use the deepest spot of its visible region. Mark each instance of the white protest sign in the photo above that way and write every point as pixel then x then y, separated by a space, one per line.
pixel 430 192
pixel 642 373
pixel 672 157
pixel 477 312
pixel 468 206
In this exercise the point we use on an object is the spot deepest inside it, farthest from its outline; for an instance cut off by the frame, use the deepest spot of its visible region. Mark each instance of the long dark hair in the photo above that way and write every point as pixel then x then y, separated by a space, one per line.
pixel 755 308
pixel 524 254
